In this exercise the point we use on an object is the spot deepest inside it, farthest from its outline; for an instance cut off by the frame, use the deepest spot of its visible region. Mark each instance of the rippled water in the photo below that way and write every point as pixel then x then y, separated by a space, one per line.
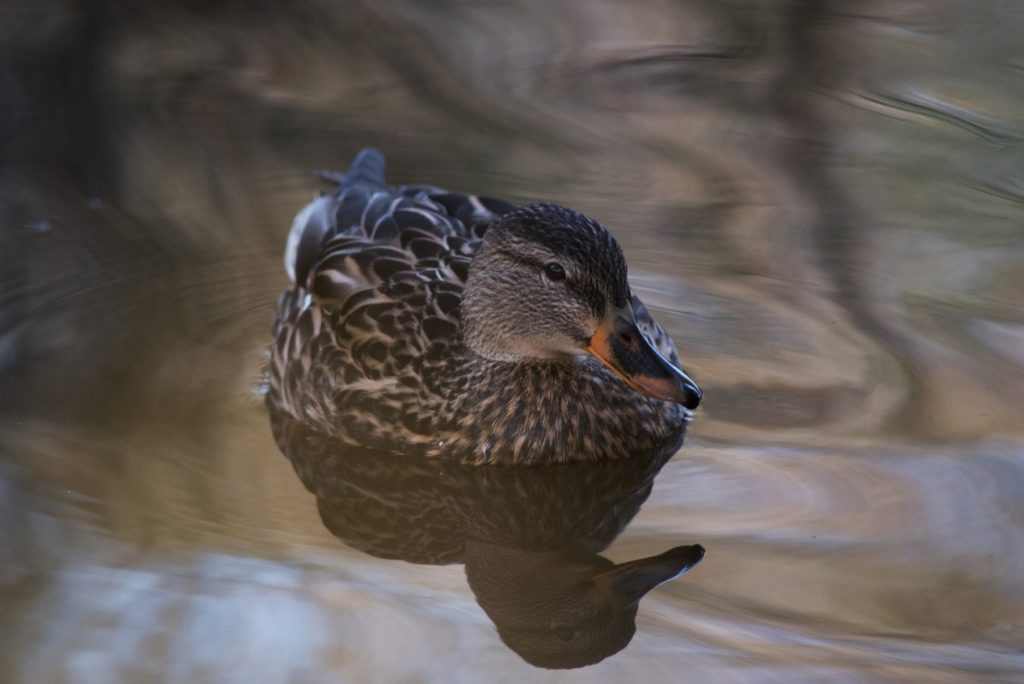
pixel 822 202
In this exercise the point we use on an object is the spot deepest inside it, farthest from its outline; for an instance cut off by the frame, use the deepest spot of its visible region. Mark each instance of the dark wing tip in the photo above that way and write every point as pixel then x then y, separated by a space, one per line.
pixel 368 167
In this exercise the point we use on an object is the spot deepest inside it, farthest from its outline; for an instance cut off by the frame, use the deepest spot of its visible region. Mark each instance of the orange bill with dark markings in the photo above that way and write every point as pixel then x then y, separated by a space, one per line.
pixel 619 344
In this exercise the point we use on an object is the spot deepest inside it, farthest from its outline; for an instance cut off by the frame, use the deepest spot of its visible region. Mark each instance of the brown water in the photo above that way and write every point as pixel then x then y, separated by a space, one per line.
pixel 822 202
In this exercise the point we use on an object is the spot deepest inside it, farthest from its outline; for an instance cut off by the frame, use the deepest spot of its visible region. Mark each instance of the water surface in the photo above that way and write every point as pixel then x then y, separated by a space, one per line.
pixel 822 202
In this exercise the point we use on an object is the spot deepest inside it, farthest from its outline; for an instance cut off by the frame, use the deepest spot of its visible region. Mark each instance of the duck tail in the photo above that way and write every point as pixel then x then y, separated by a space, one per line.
pixel 317 219
pixel 366 169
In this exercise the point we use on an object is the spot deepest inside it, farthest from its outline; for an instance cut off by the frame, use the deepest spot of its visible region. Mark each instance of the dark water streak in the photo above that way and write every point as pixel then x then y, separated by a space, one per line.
pixel 836 228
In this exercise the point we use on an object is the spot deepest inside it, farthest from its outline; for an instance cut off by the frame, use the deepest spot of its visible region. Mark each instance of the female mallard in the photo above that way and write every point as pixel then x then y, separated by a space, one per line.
pixel 422 321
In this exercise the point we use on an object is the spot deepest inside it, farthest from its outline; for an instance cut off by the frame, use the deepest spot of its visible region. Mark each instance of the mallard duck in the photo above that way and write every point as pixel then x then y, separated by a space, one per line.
pixel 529 538
pixel 426 322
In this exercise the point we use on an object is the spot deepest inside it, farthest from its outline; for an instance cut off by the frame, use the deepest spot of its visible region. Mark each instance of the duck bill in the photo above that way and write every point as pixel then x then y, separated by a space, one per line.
pixel 626 583
pixel 619 344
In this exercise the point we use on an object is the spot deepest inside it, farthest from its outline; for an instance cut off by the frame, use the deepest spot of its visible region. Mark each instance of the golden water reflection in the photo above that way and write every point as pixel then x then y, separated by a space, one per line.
pixel 822 204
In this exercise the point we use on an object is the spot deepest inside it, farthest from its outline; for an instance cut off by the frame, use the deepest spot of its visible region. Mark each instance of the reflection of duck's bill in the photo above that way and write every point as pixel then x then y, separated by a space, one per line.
pixel 619 344
pixel 626 583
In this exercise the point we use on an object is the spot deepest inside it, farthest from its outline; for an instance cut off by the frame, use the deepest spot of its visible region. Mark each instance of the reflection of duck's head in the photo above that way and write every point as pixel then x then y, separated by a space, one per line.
pixel 567 608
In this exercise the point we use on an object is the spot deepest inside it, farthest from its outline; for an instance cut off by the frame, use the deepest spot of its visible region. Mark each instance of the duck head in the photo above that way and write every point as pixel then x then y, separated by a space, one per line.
pixel 549 283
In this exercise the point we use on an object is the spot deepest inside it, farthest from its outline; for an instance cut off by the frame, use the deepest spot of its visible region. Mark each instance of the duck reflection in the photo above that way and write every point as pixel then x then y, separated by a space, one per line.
pixel 529 537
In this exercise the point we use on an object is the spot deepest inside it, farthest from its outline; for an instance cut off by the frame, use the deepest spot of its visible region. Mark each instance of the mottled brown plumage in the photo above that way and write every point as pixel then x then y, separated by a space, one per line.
pixel 425 322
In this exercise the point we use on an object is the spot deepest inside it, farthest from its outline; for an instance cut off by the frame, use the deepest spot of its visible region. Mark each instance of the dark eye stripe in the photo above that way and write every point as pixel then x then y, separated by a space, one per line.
pixel 554 270
pixel 585 292
pixel 590 294
pixel 532 263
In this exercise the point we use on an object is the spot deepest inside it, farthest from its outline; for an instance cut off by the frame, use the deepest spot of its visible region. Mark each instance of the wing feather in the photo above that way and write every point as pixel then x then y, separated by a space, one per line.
pixel 377 276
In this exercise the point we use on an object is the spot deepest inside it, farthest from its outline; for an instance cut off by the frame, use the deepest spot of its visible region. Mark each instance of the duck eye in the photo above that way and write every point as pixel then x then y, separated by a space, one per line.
pixel 554 271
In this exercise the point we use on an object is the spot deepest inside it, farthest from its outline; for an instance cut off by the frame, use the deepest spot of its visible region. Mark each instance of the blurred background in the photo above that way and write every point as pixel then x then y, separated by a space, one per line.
pixel 823 202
